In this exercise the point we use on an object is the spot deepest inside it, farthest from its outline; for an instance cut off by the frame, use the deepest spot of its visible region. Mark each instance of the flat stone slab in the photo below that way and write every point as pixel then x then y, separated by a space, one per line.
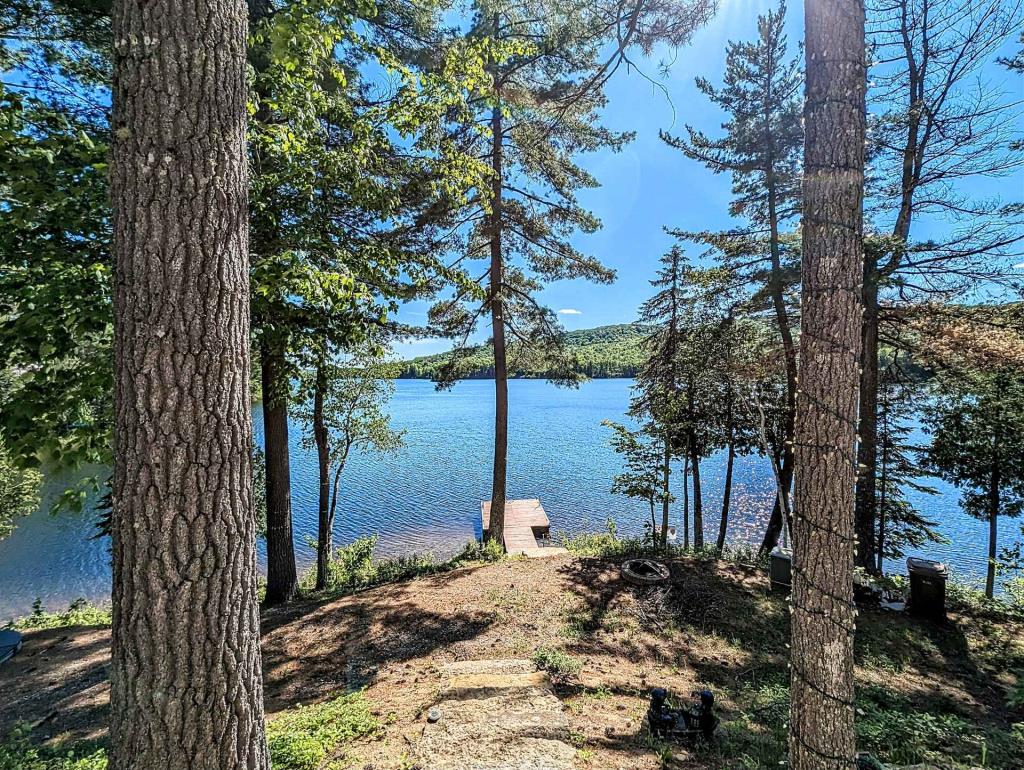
pixel 496 715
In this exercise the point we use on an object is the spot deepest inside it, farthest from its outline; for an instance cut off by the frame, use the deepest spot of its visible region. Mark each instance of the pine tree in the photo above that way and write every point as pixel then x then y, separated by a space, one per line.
pixel 821 724
pixel 900 524
pixel 659 399
pixel 977 425
pixel 761 151
pixel 186 689
pixel 536 113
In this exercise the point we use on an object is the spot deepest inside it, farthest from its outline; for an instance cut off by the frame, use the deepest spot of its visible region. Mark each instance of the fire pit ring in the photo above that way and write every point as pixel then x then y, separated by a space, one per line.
pixel 645 572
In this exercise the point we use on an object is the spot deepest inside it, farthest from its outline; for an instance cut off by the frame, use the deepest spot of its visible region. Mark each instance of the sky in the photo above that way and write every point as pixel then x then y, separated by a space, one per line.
pixel 650 186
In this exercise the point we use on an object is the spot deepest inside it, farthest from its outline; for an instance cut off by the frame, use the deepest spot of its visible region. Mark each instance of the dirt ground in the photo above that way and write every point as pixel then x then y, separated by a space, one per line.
pixel 727 633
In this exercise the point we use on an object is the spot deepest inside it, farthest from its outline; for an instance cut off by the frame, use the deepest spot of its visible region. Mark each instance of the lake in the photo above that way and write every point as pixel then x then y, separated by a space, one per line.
pixel 427 498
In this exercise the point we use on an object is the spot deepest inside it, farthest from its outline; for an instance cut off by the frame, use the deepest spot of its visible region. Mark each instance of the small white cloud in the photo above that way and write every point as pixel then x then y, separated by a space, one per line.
pixel 1016 267
pixel 570 311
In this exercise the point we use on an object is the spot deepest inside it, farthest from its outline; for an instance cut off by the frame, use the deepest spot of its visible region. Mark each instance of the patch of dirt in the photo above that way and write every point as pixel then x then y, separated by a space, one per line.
pixel 714 625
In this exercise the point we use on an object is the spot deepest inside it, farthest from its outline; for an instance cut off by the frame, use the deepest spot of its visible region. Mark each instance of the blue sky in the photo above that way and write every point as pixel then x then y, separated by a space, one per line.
pixel 649 185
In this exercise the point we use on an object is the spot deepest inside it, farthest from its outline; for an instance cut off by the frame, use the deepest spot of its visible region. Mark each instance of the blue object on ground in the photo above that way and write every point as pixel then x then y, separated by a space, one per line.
pixel 10 643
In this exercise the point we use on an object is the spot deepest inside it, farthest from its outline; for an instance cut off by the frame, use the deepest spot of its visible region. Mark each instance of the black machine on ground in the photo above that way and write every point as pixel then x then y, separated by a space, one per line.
pixel 696 721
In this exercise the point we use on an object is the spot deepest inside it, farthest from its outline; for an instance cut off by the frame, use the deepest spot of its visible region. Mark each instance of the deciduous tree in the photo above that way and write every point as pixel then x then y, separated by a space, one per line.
pixel 343 399
pixel 936 127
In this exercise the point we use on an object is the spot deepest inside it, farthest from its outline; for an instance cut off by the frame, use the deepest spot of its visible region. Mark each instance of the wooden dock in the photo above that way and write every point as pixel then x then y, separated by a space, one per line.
pixel 525 522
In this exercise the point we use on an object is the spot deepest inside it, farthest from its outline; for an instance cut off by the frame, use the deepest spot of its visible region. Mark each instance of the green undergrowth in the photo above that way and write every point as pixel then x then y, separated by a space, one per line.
pixel 558 663
pixel 79 613
pixel 891 727
pixel 353 567
pixel 303 738
pixel 18 753
pixel 313 737
pixel 610 545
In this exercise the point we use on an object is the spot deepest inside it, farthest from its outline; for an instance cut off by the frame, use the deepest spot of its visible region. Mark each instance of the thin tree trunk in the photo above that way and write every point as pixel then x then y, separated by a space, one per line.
pixel 882 497
pixel 666 471
pixel 496 299
pixel 867 430
pixel 777 291
pixel 821 725
pixel 993 530
pixel 282 580
pixel 654 526
pixel 686 502
pixel 186 685
pixel 698 501
pixel 723 527
pixel 324 537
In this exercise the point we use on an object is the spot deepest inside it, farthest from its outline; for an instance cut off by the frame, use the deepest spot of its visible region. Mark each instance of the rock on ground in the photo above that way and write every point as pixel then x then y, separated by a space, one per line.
pixel 496 715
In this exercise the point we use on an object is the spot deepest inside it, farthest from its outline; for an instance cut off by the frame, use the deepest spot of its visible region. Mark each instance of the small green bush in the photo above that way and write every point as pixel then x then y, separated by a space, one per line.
pixel 79 613
pixel 302 738
pixel 353 567
pixel 557 662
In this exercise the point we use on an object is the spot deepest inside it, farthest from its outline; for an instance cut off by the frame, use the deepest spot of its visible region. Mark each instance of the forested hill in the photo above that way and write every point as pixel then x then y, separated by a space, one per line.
pixel 607 351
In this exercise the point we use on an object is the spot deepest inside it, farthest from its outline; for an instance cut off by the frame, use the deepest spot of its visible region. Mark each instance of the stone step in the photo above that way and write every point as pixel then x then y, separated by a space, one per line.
pixel 496 715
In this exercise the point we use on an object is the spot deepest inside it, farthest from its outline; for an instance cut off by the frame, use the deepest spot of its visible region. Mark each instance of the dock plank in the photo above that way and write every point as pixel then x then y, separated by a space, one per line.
pixel 524 521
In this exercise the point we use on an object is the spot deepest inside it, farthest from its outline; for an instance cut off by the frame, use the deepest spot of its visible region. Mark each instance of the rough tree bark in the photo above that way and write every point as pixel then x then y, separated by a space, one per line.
pixel 498 478
pixel 821 734
pixel 186 687
pixel 282 580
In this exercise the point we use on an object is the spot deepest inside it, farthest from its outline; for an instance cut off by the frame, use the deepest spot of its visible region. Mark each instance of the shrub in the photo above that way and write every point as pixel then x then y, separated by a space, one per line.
pixel 353 567
pixel 79 613
pixel 557 662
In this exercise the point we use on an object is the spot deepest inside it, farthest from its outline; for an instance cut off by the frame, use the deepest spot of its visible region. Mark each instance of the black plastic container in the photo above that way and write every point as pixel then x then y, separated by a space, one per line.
pixel 927 588
pixel 780 570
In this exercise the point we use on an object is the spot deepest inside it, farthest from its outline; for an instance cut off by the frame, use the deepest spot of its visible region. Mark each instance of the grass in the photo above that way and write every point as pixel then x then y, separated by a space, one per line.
pixel 18 753
pixel 303 738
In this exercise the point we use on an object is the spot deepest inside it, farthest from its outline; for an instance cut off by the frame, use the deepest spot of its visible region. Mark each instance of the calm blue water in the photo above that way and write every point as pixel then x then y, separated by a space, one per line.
pixel 427 498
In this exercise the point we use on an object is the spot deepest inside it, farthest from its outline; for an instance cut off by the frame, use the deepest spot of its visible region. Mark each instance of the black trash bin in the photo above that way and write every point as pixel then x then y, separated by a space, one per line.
pixel 927 588
pixel 780 570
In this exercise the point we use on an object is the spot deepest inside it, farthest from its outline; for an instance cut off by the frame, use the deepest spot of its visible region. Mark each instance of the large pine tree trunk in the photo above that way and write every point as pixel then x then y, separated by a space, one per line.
pixel 282 581
pixel 495 297
pixel 821 727
pixel 186 687
pixel 324 535
pixel 867 430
